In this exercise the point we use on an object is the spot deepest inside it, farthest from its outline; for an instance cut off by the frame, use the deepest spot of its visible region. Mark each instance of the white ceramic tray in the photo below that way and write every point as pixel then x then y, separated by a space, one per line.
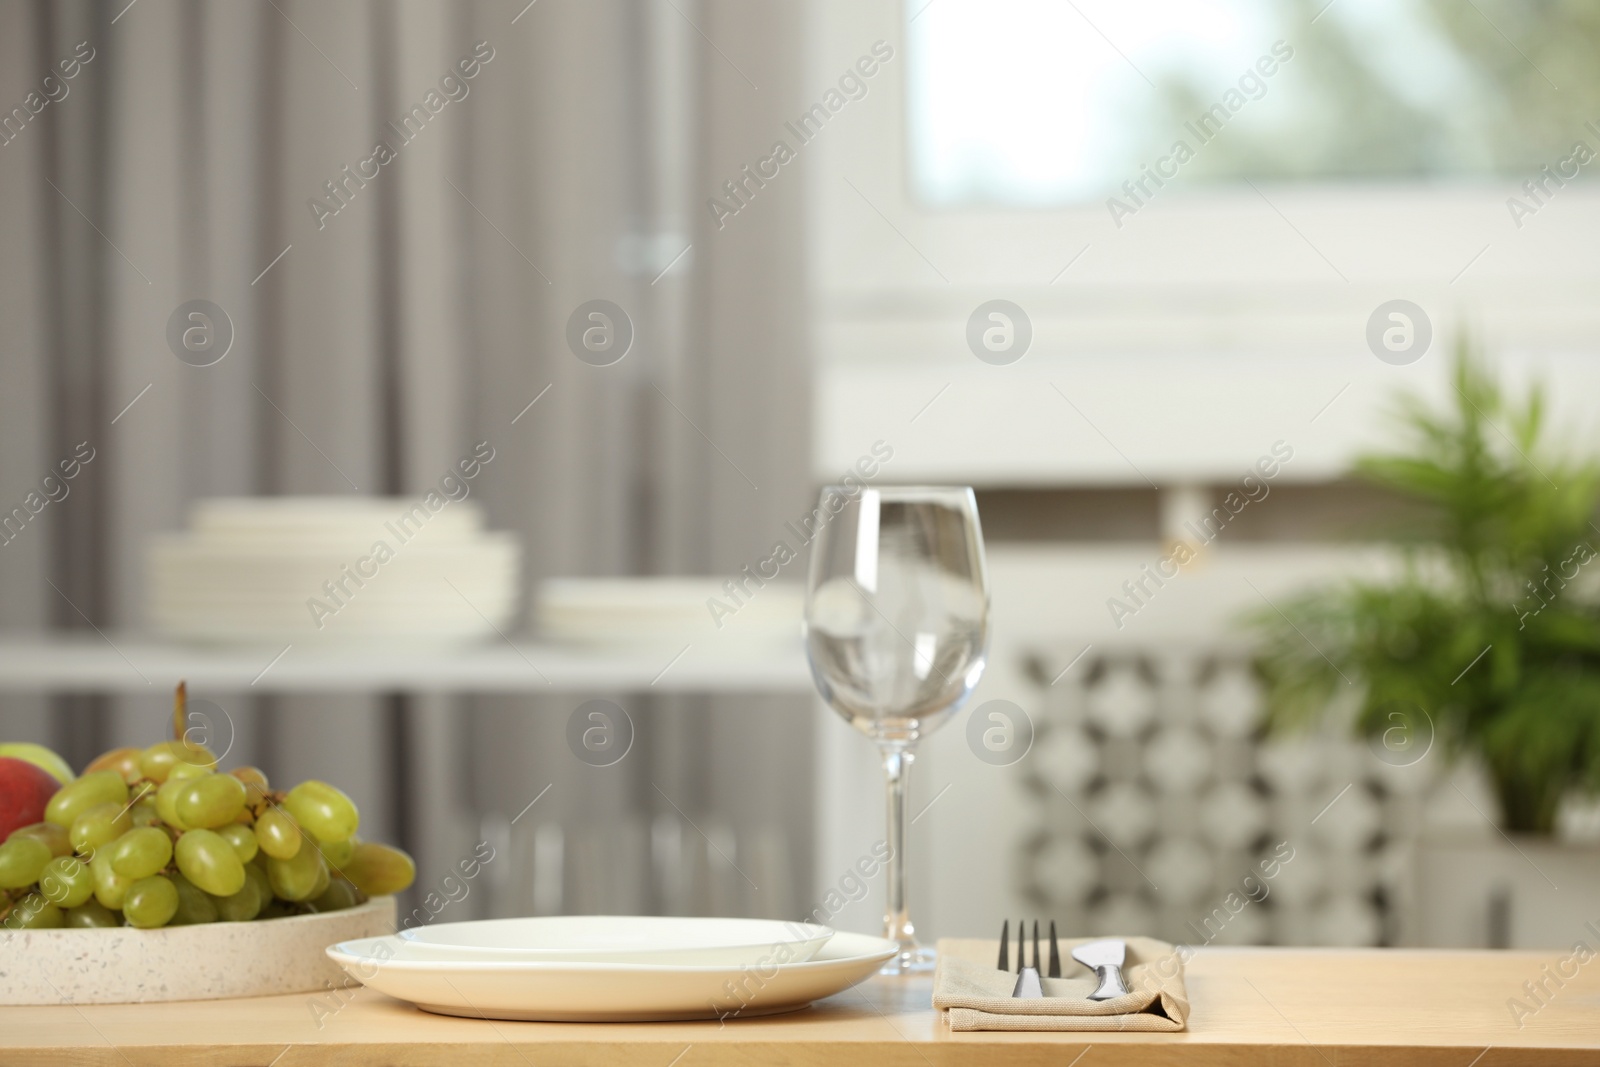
pixel 124 965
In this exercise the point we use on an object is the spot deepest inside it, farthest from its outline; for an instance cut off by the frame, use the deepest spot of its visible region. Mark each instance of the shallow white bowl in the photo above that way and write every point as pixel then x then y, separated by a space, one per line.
pixel 644 939
pixel 610 992
pixel 124 965
pixel 667 612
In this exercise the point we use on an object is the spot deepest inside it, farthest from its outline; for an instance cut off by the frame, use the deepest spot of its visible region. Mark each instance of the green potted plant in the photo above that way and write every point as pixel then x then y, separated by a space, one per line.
pixel 1488 638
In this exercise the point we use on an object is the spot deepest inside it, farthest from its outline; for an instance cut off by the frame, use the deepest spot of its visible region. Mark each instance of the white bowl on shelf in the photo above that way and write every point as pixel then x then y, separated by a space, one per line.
pixel 640 939
pixel 669 612
pixel 279 570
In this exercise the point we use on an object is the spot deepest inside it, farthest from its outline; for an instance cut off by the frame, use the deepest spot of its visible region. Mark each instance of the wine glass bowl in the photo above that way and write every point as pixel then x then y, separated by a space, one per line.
pixel 896 629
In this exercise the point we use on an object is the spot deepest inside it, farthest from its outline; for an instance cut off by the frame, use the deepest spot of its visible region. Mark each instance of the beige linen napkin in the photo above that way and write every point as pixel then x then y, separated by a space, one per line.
pixel 973 995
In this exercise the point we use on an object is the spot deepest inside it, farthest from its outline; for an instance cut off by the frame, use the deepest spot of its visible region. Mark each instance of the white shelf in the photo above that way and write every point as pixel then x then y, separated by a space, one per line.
pixel 128 663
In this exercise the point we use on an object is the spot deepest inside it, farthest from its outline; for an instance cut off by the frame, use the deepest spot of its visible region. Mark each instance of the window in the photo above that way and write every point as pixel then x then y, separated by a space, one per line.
pixel 1388 157
pixel 1048 103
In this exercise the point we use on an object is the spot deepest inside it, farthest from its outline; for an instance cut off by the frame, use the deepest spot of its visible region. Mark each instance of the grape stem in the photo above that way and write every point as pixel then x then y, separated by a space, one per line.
pixel 180 704
pixel 272 798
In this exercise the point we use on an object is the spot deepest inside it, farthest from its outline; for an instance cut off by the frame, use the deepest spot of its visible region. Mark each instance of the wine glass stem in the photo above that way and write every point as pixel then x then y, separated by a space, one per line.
pixel 897 920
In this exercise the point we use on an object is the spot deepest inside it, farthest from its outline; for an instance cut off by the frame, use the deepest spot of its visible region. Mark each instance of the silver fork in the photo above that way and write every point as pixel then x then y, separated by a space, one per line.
pixel 1028 984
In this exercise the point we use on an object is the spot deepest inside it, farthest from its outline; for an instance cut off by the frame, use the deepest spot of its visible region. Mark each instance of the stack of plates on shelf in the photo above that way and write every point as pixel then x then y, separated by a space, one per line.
pixel 601 968
pixel 285 569
pixel 670 612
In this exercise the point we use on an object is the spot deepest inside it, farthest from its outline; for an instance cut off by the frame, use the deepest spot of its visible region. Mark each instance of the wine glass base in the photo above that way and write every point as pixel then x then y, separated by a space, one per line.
pixel 913 960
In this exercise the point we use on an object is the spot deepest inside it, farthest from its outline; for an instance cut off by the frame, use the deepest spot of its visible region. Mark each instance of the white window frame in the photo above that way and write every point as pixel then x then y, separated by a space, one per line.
pixel 1176 348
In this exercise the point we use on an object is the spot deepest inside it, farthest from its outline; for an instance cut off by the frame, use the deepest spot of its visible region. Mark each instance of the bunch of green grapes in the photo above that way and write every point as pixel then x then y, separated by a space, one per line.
pixel 160 837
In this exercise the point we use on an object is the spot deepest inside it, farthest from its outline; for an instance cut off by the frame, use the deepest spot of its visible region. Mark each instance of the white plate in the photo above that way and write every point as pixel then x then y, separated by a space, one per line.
pixel 651 939
pixel 254 569
pixel 280 519
pixel 609 992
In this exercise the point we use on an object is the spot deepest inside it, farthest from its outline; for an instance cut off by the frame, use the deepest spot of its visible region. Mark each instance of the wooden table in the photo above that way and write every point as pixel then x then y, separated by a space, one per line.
pixel 1310 1007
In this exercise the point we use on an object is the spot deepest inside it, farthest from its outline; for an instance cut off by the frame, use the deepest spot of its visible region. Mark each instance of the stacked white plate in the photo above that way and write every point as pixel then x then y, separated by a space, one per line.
pixel 603 968
pixel 285 569
pixel 669 612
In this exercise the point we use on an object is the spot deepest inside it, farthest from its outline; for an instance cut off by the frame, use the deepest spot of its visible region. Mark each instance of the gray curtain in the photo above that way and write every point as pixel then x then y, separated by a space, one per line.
pixel 374 345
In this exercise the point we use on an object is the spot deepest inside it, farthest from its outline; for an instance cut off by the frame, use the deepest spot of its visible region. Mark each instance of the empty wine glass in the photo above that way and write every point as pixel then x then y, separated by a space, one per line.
pixel 896 625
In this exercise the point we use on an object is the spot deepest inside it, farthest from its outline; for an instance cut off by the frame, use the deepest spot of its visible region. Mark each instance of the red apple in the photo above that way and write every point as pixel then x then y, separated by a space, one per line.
pixel 25 788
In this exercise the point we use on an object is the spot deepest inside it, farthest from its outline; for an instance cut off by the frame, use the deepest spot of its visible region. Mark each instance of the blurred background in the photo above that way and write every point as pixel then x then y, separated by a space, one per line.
pixel 1151 276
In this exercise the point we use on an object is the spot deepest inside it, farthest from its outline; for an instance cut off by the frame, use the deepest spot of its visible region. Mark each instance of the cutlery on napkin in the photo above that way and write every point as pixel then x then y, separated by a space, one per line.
pixel 972 994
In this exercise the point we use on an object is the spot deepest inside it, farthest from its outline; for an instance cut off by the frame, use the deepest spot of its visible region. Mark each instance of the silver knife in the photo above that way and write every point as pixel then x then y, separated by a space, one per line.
pixel 1105 959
